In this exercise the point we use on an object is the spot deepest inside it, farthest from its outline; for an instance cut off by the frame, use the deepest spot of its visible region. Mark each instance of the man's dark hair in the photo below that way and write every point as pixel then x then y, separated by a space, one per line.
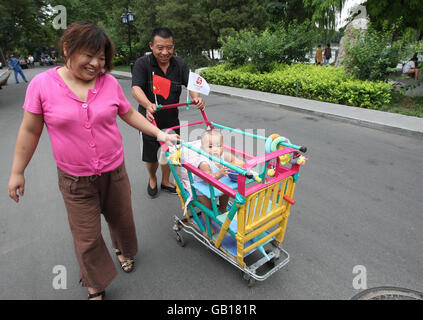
pixel 164 33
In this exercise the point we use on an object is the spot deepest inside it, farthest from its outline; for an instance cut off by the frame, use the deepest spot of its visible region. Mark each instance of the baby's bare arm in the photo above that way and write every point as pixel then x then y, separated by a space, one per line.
pixel 229 157
pixel 204 166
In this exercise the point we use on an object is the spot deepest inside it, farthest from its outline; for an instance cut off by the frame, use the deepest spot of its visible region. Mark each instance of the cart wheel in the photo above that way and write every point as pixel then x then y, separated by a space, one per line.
pixel 180 239
pixel 272 263
pixel 250 280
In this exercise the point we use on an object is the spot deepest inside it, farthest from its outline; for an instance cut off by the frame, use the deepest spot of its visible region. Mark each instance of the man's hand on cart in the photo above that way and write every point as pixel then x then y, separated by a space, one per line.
pixel 150 110
pixel 199 102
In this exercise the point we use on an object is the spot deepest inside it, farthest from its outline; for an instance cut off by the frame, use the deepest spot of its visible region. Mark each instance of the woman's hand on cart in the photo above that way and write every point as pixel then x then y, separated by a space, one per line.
pixel 168 139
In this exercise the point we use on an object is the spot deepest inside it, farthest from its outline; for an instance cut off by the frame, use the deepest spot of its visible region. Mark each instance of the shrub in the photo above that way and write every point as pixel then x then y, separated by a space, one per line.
pixel 119 60
pixel 306 81
pixel 264 49
pixel 372 56
pixel 198 61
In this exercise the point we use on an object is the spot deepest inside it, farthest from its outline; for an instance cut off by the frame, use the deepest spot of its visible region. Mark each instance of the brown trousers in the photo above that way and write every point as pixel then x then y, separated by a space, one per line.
pixel 86 198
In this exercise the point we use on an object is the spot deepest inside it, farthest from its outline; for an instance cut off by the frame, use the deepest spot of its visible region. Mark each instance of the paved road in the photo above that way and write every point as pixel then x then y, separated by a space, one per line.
pixel 359 202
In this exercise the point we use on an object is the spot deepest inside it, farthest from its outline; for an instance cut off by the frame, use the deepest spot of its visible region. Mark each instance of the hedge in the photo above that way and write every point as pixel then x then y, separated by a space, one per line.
pixel 330 84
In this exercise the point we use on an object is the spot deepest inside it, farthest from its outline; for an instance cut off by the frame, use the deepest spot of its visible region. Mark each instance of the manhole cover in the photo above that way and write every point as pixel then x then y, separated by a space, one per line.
pixel 388 293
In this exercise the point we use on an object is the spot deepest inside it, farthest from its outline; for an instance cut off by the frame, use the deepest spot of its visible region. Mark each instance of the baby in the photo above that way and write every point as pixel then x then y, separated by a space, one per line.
pixel 212 143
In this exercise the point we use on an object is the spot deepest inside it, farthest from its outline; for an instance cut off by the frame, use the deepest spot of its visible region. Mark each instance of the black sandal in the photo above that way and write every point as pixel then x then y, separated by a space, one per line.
pixel 126 263
pixel 97 294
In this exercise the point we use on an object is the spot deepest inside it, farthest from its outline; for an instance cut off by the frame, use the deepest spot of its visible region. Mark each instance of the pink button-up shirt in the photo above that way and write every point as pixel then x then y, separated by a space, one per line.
pixel 84 135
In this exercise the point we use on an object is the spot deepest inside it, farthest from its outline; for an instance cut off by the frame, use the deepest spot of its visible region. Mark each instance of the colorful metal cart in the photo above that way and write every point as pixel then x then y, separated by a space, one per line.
pixel 250 233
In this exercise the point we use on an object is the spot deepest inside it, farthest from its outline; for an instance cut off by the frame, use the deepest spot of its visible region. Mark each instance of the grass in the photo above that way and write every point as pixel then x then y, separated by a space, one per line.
pixel 402 104
pixel 409 106
pixel 122 68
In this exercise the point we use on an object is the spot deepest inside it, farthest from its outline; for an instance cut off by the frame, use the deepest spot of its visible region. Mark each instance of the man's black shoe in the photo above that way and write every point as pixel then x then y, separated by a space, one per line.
pixel 168 189
pixel 152 192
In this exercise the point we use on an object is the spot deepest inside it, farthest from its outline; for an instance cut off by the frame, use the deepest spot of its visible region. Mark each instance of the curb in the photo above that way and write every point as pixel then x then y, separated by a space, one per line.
pixel 374 119
pixel 121 75
pixel 380 120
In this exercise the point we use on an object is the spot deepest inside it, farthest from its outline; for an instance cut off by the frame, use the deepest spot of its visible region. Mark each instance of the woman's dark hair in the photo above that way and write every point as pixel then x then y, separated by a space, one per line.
pixel 164 33
pixel 80 36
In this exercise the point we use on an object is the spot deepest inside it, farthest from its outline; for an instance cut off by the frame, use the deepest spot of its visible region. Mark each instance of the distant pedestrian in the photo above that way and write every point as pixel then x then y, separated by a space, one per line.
pixel 14 65
pixel 410 68
pixel 318 58
pixel 416 59
pixel 30 61
pixel 327 54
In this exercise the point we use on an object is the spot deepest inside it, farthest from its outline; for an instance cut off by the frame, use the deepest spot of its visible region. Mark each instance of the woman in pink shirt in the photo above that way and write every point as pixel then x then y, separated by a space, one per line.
pixel 79 103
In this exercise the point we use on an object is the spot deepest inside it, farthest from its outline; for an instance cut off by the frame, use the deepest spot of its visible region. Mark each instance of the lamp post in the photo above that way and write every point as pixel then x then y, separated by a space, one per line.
pixel 127 18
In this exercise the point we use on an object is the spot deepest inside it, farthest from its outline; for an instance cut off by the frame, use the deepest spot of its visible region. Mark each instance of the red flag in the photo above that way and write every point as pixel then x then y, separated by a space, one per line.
pixel 161 86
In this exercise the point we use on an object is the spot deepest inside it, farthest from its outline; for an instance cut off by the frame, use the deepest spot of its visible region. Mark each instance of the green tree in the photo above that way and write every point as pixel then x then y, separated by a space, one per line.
pixel 188 21
pixel 89 10
pixel 265 49
pixel 321 13
pixel 324 11
pixel 24 25
pixel 385 13
pixel 107 14
pixel 372 55
pixel 145 21
pixel 226 16
pixel 284 11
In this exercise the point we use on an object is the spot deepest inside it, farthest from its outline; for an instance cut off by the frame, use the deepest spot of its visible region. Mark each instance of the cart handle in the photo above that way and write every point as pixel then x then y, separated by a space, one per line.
pixel 175 105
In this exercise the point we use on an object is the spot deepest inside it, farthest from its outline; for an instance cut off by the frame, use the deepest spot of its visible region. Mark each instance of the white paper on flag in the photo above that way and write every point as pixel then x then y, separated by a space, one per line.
pixel 198 84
